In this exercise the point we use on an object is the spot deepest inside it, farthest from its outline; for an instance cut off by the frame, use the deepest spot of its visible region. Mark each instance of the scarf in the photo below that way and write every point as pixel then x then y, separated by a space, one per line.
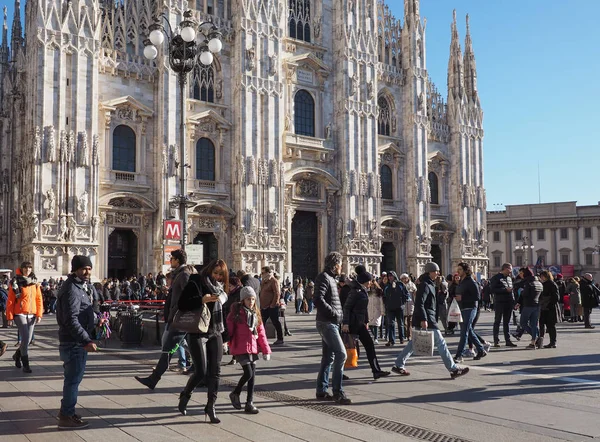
pixel 20 281
pixel 252 320
pixel 217 313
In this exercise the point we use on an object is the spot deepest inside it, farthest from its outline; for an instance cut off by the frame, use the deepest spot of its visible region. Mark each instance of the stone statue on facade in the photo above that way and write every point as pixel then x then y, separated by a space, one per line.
pixel 82 205
pixel 51 201
pixel 62 228
pixel 83 149
pixel 95 222
pixel 250 59
pixel 328 131
pixel 50 144
pixel 273 68
pixel 72 229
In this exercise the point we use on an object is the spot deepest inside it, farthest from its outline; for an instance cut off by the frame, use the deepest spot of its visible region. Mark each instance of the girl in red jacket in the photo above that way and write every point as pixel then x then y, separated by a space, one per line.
pixel 247 339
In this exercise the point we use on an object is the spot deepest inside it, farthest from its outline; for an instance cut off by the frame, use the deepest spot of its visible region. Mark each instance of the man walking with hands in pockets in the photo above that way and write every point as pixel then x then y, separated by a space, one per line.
pixel 76 320
pixel 426 317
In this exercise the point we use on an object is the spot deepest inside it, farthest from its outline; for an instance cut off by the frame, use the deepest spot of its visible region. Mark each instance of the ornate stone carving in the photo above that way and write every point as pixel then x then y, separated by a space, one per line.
pixel 250 59
pixel 307 188
pixel 50 203
pixel 95 223
pixel 364 185
pixel 50 140
pixel 263 171
pixel 71 147
pixel 95 146
pixel 62 228
pixel 274 222
pixel 328 133
pixel 219 89
pixel 346 183
pixel 127 203
pixel 354 183
pixel 251 170
pixel 370 90
pixel 82 206
pixel 64 150
pixel 71 229
pixel 37 147
pixel 82 148
pixel 354 87
pixel 273 173
pixel 125 113
pixel 273 65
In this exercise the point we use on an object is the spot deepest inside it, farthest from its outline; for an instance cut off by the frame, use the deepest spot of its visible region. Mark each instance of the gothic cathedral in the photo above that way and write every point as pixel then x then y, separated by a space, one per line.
pixel 317 128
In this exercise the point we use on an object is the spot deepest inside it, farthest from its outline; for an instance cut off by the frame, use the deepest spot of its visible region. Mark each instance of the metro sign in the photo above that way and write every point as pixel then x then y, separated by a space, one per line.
pixel 173 230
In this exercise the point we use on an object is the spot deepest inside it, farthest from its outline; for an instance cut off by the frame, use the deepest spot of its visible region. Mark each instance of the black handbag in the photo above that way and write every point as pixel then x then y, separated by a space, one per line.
pixel 193 321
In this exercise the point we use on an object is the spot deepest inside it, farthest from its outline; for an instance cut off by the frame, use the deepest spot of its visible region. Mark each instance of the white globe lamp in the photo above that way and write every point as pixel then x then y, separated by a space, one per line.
pixel 188 34
pixel 215 45
pixel 157 37
pixel 206 58
pixel 150 52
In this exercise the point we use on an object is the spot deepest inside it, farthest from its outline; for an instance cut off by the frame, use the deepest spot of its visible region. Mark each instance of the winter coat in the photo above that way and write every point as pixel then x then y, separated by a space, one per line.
pixel 3 299
pixel 501 287
pixel 426 303
pixel 574 293
pixel 241 339
pixel 28 301
pixel 376 309
pixel 395 294
pixel 327 299
pixel 269 293
pixel 180 277
pixel 344 292
pixel 75 311
pixel 468 290
pixel 356 308
pixel 550 299
pixel 191 299
pixel 589 294
pixel 532 289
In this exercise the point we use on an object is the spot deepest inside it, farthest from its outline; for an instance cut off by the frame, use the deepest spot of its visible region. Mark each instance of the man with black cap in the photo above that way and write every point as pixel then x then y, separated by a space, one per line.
pixel 76 320
pixel 426 316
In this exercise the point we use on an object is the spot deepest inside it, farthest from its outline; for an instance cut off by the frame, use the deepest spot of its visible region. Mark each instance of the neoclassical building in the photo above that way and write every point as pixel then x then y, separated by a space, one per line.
pixel 317 128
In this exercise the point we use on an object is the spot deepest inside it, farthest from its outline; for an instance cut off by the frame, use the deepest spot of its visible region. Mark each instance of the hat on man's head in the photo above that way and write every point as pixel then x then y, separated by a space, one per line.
pixel 431 267
pixel 362 276
pixel 80 261
pixel 246 292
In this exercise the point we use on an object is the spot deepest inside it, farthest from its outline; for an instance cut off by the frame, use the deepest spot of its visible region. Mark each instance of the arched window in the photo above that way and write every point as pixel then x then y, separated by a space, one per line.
pixel 300 20
pixel 304 113
pixel 433 188
pixel 385 117
pixel 205 160
pixel 123 149
pixel 386 183
pixel 203 83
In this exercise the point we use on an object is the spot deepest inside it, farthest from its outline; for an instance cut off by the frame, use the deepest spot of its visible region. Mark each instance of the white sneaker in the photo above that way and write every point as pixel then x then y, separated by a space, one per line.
pixel 376 341
pixel 469 353
pixel 487 346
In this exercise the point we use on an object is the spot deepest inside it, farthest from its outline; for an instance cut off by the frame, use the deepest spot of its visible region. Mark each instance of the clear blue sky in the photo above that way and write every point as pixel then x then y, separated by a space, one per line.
pixel 538 65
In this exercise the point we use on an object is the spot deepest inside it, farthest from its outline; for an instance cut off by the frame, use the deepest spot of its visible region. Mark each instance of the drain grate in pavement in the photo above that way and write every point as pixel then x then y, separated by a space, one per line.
pixel 353 416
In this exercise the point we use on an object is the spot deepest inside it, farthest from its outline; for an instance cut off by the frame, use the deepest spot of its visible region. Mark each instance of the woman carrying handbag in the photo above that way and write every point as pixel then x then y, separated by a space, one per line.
pixel 209 288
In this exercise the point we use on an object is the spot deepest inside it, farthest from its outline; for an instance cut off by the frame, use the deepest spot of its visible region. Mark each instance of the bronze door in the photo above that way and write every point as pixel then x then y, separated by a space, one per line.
pixel 305 245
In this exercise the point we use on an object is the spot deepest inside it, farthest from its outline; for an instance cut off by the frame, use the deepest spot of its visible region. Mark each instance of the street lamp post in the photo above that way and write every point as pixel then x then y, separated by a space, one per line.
pixel 525 246
pixel 184 52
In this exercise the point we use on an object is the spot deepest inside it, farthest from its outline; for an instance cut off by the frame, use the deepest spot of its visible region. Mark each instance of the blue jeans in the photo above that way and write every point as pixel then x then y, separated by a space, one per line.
pixel 310 305
pixel 529 321
pixel 74 358
pixel 442 348
pixel 393 316
pixel 466 331
pixel 334 354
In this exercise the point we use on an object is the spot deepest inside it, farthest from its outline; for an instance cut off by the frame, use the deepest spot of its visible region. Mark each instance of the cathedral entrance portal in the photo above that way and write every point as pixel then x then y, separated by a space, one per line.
pixel 305 245
pixel 122 254
pixel 436 253
pixel 388 262
pixel 210 246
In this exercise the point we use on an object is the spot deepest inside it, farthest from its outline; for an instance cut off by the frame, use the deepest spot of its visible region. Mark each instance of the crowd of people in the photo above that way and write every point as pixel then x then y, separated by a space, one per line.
pixel 216 311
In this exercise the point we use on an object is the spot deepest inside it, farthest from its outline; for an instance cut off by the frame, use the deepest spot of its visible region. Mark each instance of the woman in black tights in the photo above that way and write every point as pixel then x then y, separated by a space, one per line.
pixel 210 287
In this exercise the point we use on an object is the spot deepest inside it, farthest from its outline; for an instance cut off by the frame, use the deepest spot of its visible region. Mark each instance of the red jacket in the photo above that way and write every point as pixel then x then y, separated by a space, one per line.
pixel 241 340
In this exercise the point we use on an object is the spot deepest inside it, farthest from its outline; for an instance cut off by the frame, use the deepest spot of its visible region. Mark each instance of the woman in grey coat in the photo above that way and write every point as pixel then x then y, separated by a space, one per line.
pixel 574 299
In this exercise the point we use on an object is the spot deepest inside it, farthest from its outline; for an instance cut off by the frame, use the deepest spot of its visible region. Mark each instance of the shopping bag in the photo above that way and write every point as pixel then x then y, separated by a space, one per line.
pixel 422 342
pixel 454 312
pixel 349 340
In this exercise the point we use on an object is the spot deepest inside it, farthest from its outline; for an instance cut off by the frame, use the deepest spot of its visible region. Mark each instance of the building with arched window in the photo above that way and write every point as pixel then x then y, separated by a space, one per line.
pixel 316 128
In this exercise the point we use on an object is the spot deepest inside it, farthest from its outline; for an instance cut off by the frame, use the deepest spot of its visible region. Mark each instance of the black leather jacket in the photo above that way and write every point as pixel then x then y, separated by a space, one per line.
pixel 356 311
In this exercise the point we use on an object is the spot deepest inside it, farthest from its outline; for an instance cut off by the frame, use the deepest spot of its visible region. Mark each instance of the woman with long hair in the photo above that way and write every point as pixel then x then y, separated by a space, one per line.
pixel 549 308
pixel 25 306
pixel 209 287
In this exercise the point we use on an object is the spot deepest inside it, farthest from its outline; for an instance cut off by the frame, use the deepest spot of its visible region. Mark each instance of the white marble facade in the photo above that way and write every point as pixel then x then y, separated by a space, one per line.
pixel 373 111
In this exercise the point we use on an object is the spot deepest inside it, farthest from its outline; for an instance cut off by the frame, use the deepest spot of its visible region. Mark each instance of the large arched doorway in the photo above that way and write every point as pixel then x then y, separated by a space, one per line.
pixel 210 247
pixel 388 262
pixel 122 254
pixel 436 253
pixel 305 245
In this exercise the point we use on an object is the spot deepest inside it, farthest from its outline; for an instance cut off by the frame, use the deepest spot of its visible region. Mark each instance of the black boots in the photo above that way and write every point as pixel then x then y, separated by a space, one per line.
pixel 184 398
pixel 150 381
pixel 25 360
pixel 209 410
pixel 17 358
pixel 250 408
pixel 235 400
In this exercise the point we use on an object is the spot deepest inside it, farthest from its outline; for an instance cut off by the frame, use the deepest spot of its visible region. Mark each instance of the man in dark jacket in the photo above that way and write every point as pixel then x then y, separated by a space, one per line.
pixel 329 317
pixel 467 295
pixel 173 339
pixel 76 321
pixel 395 296
pixel 426 316
pixel 501 287
pixel 589 297
pixel 530 313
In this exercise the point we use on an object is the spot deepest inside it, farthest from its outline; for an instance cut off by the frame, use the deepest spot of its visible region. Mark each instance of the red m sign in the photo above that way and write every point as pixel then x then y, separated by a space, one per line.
pixel 173 230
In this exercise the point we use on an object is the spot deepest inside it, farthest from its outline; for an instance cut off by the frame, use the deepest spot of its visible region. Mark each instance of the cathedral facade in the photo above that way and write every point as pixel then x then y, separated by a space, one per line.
pixel 317 128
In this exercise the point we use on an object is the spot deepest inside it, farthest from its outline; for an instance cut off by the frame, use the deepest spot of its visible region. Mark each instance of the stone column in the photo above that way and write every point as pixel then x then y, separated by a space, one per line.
pixel 553 247
pixel 576 250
